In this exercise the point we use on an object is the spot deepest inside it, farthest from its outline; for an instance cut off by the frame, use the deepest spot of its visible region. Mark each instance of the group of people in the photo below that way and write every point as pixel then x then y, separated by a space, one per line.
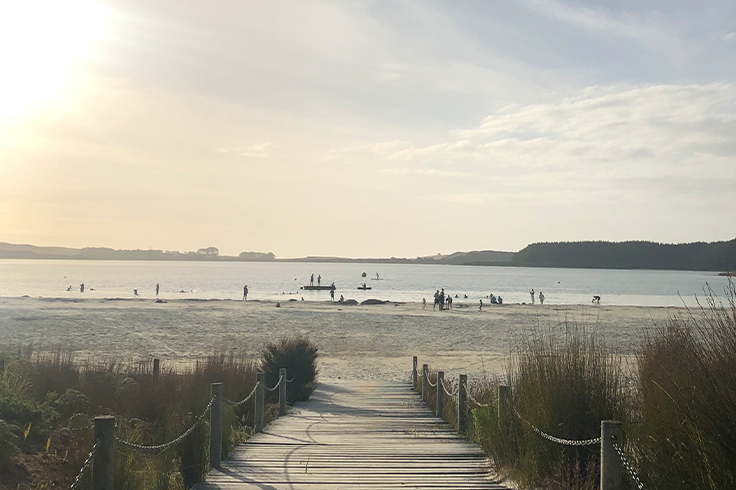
pixel 441 300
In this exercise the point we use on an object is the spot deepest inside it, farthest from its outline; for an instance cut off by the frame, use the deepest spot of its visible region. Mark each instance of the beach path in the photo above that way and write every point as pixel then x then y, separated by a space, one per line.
pixel 356 434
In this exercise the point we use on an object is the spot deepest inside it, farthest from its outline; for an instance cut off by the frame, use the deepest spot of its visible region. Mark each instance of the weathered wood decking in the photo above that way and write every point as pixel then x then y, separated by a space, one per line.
pixel 355 434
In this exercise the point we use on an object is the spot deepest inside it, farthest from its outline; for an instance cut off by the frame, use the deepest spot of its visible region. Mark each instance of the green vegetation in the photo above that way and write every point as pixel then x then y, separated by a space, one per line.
pixel 299 356
pixel 678 408
pixel 716 256
pixel 48 402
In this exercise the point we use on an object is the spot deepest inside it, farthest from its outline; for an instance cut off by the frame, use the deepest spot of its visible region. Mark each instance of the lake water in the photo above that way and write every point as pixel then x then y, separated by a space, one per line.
pixel 398 282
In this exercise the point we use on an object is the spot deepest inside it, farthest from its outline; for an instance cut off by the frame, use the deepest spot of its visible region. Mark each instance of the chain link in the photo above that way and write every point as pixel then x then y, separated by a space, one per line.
pixel 166 445
pixel 86 465
pixel 564 442
pixel 242 402
pixel 472 399
pixel 277 384
pixel 627 464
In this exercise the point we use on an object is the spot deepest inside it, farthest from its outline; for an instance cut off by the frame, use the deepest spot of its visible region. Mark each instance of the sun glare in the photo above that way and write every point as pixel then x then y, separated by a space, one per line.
pixel 41 44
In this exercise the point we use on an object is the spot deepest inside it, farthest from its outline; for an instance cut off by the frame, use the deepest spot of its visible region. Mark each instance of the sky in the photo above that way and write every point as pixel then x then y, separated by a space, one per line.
pixel 366 128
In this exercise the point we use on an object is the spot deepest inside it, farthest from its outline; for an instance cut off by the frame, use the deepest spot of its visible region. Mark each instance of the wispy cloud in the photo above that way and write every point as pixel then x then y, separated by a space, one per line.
pixel 258 150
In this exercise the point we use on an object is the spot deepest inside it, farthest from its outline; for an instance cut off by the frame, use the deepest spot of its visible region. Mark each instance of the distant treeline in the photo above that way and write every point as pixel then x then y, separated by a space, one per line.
pixel 716 256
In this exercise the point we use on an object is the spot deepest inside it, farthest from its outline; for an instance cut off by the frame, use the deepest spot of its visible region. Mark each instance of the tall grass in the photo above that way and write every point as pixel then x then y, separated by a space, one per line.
pixel 563 384
pixel 687 400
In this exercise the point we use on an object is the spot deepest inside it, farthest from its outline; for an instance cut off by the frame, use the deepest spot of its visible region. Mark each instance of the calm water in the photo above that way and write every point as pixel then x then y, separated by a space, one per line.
pixel 399 282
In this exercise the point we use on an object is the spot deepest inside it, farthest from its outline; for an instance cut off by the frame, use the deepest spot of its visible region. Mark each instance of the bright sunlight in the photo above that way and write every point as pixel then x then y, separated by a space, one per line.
pixel 41 43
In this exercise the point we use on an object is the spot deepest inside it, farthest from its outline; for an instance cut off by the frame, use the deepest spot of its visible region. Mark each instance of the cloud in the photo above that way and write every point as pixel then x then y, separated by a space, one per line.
pixel 731 36
pixel 258 150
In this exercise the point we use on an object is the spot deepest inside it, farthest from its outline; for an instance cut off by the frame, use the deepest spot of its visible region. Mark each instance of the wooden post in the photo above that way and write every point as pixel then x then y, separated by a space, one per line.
pixel 282 391
pixel 103 465
pixel 462 403
pixel 440 394
pixel 611 474
pixel 425 383
pixel 156 368
pixel 216 425
pixel 504 402
pixel 2 365
pixel 260 395
pixel 414 373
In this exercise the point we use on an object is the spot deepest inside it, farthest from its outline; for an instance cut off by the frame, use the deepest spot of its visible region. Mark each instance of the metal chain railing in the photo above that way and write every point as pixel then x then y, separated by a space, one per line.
pixel 472 399
pixel 86 465
pixel 627 465
pixel 244 400
pixel 166 445
pixel 564 442
pixel 277 385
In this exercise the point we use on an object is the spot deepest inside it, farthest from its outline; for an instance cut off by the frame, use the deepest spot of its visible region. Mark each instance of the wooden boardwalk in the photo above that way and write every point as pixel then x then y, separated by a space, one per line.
pixel 356 434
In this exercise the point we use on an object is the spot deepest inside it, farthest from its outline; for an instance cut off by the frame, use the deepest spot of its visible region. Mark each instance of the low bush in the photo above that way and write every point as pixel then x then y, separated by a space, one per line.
pixel 299 356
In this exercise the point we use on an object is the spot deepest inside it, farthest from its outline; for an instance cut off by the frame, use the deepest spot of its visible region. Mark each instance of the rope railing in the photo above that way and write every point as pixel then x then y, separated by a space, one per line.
pixel 166 445
pixel 244 400
pixel 292 379
pixel 629 467
pixel 558 440
pixel 613 460
pixel 86 465
pixel 276 386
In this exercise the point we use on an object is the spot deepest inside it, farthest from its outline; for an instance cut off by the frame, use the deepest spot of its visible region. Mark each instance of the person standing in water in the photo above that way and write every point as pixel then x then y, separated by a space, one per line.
pixel 311 280
pixel 480 307
pixel 156 289
pixel 541 298
pixel 81 288
pixel 531 293
pixel 332 294
pixel 424 303
pixel 245 292
pixel 319 279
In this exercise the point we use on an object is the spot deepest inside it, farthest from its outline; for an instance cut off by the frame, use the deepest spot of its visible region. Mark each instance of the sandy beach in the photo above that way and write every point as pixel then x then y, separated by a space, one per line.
pixel 355 342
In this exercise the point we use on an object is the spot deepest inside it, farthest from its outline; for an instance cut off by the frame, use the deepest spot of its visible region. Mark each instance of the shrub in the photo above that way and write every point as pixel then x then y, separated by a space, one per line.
pixel 687 395
pixel 299 356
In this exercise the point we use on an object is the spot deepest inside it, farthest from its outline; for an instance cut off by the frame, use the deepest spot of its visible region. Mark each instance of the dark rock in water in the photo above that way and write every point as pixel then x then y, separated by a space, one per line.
pixel 292 299
pixel 348 302
pixel 372 302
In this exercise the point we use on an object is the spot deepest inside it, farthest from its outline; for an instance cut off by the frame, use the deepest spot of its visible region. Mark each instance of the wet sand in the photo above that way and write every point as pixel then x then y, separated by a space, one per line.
pixel 355 342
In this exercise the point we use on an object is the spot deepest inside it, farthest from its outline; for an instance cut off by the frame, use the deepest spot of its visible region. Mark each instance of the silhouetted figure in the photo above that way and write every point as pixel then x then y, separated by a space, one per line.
pixel 245 292
pixel 480 306
pixel 436 299
pixel 442 299
pixel 424 303
pixel 135 292
pixel 332 294
pixel 311 280
pixel 500 300
pixel 377 276
pixel 541 298
pixel 69 288
pixel 597 299
pixel 342 298
pixel 81 288
pixel 449 302
pixel 157 287
pixel 531 293
pixel 319 279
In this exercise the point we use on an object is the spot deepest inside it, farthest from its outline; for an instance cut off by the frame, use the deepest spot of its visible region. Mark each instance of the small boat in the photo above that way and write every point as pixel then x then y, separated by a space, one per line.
pixel 317 288
pixel 364 287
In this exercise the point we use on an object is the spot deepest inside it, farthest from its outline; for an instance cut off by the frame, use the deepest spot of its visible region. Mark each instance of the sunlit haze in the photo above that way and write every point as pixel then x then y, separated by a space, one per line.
pixel 366 128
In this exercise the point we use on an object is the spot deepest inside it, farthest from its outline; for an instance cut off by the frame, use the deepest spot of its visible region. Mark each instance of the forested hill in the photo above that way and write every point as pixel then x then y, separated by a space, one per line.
pixel 716 256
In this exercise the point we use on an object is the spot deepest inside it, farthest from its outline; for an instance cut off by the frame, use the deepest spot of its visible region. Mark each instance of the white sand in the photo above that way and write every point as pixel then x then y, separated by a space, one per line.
pixel 363 342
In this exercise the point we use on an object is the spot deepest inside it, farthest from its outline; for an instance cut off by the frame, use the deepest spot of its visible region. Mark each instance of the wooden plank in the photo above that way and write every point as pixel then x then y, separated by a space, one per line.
pixel 356 434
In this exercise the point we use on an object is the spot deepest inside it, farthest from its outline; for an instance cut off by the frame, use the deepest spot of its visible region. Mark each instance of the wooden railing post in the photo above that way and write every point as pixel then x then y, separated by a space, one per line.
pixel 425 383
pixel 440 394
pixel 282 391
pixel 414 373
pixel 216 425
pixel 611 468
pixel 462 403
pixel 260 395
pixel 103 465
pixel 504 402
pixel 156 369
